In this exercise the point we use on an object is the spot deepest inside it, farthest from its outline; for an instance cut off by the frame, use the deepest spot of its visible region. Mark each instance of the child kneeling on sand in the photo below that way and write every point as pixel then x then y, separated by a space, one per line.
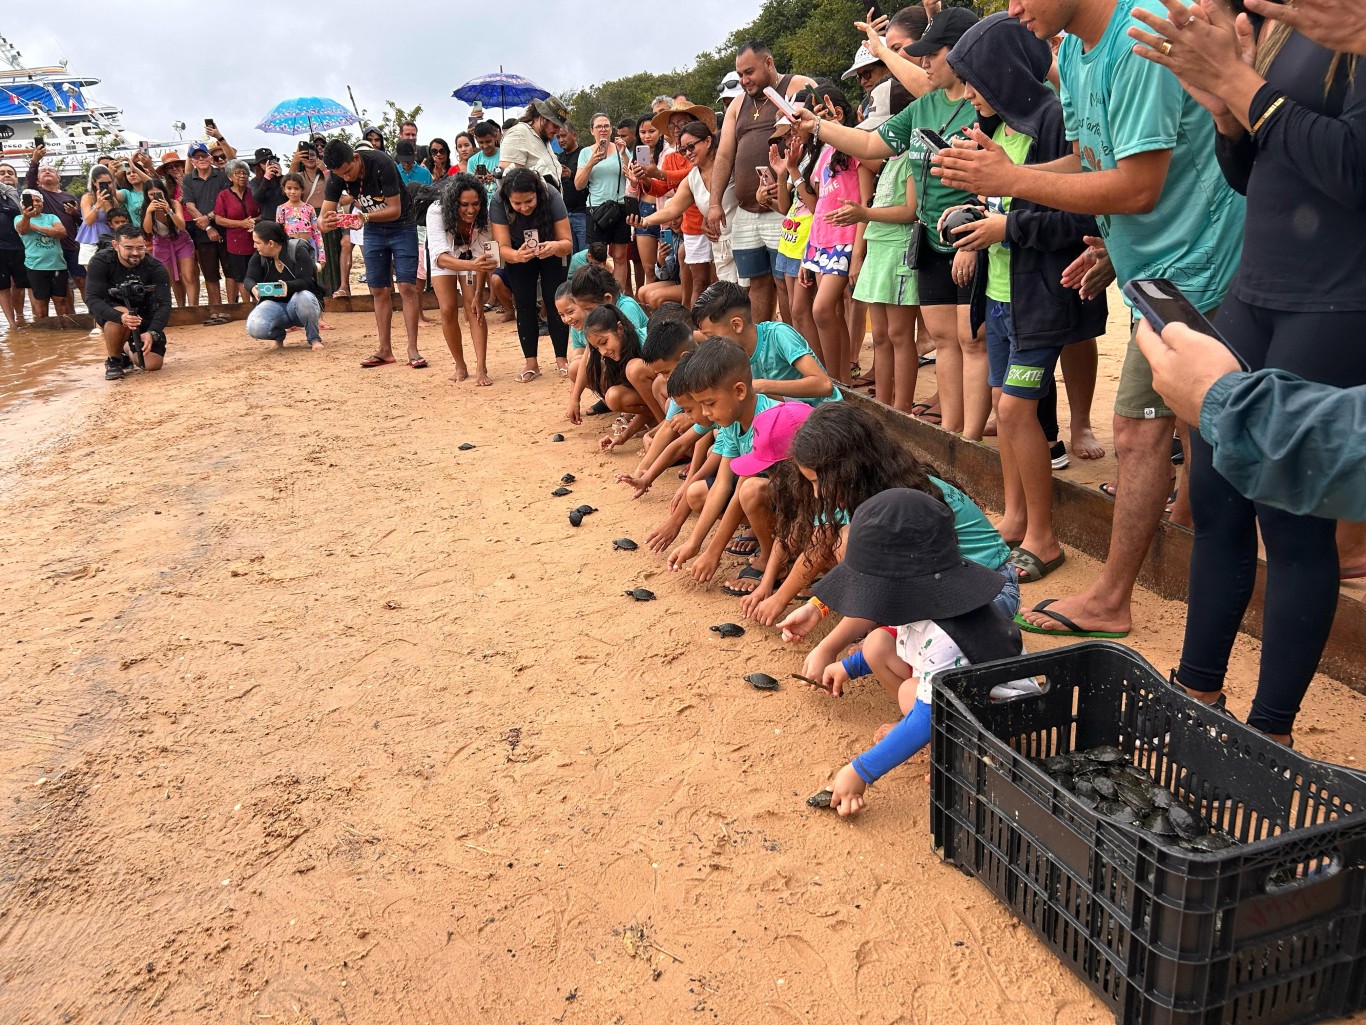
pixel 701 468
pixel 902 565
pixel 670 339
pixel 720 382
pixel 613 349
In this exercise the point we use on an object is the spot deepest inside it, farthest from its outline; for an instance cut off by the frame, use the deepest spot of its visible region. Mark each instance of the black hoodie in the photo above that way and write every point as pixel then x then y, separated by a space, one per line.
pixel 1007 65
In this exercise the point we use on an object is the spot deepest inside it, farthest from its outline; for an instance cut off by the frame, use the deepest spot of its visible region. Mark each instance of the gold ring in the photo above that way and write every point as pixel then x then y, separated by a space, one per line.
pixel 1166 47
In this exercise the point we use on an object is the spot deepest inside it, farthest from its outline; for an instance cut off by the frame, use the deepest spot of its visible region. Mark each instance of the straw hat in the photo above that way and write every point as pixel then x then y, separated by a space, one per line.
pixel 170 159
pixel 695 112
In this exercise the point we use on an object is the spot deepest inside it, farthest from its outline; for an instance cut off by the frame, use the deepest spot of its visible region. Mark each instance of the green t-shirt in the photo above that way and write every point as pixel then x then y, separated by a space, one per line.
pixel 606 181
pixel 776 351
pixel 42 252
pixel 891 191
pixel 1016 146
pixel 733 440
pixel 978 540
pixel 578 260
pixel 933 110
pixel 132 200
pixel 1117 105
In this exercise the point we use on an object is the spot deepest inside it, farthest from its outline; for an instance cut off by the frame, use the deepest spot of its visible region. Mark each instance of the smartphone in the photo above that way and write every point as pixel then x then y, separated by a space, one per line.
pixel 270 288
pixel 781 102
pixel 38 141
pixel 932 139
pixel 491 251
pixel 209 123
pixel 144 146
pixel 531 238
pixel 643 156
pixel 1160 302
pixel 351 221
pixel 765 174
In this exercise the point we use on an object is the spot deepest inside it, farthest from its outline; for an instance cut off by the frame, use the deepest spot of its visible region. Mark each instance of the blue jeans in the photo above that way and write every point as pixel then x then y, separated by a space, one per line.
pixel 270 318
pixel 1008 601
pixel 578 229
pixel 390 252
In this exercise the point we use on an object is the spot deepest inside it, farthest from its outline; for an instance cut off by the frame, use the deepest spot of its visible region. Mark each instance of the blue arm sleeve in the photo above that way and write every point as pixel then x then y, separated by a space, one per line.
pixel 906 738
pixel 1290 443
pixel 856 665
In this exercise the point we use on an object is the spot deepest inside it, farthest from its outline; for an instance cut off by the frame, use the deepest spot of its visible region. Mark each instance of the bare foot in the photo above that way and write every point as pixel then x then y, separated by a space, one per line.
pixel 279 345
pixel 324 326
pixel 881 732
pixel 1011 533
pixel 1084 444
pixel 482 379
pixel 989 431
pixel 461 373
pixel 1083 613
pixel 316 346
pixel 508 318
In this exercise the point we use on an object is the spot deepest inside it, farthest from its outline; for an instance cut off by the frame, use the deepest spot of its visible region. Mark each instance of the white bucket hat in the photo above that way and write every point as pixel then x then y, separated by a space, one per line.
pixel 862 59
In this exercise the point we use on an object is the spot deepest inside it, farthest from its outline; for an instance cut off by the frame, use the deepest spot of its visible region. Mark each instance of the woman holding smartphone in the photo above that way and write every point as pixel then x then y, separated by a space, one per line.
pixel 696 145
pixel 163 219
pixel 101 196
pixel 649 146
pixel 463 255
pixel 602 171
pixel 531 226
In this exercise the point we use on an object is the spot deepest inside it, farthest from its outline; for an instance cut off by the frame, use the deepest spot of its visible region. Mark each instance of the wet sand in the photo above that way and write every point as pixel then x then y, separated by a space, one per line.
pixel 313 717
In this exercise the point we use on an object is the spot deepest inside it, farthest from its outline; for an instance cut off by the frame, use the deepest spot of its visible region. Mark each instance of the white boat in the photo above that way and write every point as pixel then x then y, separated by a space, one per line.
pixel 51 102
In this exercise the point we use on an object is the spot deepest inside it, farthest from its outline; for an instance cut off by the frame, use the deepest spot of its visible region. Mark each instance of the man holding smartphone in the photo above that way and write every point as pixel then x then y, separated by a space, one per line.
pixel 1144 164
pixel 199 190
pixel 61 204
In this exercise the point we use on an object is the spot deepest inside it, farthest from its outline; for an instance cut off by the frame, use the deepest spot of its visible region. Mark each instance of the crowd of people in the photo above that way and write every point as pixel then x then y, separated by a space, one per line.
pixel 708 279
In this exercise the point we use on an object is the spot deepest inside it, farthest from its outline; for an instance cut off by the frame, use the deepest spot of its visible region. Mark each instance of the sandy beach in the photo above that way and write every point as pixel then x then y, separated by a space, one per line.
pixel 310 716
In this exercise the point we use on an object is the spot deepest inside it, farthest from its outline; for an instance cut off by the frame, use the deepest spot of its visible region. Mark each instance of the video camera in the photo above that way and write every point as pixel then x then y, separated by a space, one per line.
pixel 136 296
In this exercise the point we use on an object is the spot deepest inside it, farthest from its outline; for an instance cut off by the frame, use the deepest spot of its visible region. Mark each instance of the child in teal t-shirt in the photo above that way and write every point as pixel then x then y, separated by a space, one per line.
pixel 42 252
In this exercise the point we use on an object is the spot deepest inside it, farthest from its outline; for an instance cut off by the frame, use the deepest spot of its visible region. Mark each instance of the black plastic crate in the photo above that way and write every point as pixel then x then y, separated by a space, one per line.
pixel 1270 931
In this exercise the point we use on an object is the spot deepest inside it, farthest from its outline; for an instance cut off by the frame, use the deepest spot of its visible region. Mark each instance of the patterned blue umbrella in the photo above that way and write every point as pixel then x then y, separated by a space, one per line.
pixel 499 90
pixel 307 114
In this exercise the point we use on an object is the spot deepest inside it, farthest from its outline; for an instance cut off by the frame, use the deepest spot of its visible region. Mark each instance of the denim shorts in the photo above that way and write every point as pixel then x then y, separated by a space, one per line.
pixel 1008 601
pixel 786 266
pixel 1022 373
pixel 646 209
pixel 390 254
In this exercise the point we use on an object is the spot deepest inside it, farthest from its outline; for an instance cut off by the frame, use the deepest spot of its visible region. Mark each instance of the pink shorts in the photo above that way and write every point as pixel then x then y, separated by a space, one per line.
pixel 170 251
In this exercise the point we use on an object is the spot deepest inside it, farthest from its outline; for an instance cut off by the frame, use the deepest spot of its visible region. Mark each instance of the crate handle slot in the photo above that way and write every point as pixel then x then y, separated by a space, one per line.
pixel 1325 870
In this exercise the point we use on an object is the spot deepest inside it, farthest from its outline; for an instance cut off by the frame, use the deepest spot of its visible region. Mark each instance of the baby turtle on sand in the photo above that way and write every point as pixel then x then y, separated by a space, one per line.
pixel 640 594
pixel 557 437
pixel 465 447
pixel 728 630
pixel 584 510
pixel 821 800
pixel 561 492
pixel 762 681
pixel 575 517
pixel 568 478
pixel 624 544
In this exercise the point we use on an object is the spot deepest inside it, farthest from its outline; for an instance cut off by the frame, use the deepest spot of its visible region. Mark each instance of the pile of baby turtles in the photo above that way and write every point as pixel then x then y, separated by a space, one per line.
pixel 1103 779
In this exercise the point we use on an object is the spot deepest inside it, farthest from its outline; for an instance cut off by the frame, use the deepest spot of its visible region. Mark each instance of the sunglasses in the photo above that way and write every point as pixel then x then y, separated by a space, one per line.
pixel 219 158
pixel 687 150
pixel 438 151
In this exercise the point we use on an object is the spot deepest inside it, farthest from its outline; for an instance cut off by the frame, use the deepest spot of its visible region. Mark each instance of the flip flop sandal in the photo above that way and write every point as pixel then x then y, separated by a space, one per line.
pixel 562 371
pixel 599 408
pixel 1107 488
pixel 931 416
pixel 926 361
pixel 1070 629
pixel 418 364
pixel 748 573
pixel 217 319
pixel 743 546
pixel 862 381
pixel 920 407
pixel 1030 568
pixel 526 375
pixel 375 361
pixel 1352 572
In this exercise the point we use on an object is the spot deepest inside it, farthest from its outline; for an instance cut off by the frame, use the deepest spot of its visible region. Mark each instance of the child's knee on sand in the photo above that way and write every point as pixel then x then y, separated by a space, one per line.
pixel 756 498
pixel 697 495
pixel 620 399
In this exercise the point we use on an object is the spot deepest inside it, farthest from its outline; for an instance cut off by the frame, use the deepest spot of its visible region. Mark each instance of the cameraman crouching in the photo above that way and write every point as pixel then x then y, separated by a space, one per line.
pixel 129 295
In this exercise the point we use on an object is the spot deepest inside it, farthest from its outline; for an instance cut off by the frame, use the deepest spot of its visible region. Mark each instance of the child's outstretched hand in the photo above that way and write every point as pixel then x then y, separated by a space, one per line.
pixel 639 485
pixel 766 612
pixel 573 413
pixel 705 567
pixel 662 536
pixel 835 677
pixel 681 555
pixel 800 623
pixel 846 792
pixel 754 599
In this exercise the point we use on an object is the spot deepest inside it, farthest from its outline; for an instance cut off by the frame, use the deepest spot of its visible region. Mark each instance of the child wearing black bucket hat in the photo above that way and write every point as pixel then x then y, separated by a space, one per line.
pixel 902 566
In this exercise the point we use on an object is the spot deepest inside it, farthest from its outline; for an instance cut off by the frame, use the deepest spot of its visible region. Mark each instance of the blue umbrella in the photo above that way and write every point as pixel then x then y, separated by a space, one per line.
pixel 306 114
pixel 499 90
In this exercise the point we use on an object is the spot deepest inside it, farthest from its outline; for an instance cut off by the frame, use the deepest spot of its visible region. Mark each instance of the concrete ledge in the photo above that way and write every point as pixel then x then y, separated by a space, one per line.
pixel 192 316
pixel 1081 517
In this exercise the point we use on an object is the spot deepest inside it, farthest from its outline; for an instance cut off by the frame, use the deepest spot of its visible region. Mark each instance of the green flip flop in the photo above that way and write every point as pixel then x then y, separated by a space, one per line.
pixel 1071 628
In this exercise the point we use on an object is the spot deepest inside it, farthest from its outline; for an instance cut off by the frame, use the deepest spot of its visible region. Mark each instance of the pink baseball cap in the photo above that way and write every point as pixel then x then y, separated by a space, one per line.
pixel 773 432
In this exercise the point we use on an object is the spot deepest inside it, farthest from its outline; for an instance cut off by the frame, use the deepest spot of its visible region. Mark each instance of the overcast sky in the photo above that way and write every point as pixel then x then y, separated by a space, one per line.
pixel 152 59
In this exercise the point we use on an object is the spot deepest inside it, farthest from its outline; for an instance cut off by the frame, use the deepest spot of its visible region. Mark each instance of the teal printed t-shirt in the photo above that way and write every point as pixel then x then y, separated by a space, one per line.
pixel 579 259
pixel 1016 146
pixel 1117 105
pixel 947 117
pixel 42 252
pixel 634 312
pixel 731 441
pixel 776 352
pixel 978 540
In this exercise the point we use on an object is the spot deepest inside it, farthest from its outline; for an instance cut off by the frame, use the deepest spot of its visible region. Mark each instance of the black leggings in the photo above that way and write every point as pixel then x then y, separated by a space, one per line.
pixel 1301 551
pixel 522 279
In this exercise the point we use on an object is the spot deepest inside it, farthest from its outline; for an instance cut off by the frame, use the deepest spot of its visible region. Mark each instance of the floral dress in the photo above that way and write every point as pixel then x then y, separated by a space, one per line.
pixel 302 222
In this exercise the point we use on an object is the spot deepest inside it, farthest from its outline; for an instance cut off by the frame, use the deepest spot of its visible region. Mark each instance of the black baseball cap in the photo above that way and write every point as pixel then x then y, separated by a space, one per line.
pixel 404 148
pixel 263 155
pixel 945 29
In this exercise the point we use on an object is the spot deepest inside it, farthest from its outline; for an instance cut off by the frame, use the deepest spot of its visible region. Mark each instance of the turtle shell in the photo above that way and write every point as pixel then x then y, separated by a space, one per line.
pixel 728 630
pixel 568 478
pixel 640 594
pixel 575 517
pixel 821 800
pixel 465 447
pixel 761 681
pixel 624 544
pixel 561 492
pixel 557 437
pixel 584 510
